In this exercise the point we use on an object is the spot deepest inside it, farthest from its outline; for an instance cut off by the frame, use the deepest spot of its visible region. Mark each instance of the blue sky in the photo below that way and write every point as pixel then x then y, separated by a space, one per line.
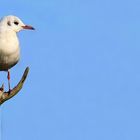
pixel 84 80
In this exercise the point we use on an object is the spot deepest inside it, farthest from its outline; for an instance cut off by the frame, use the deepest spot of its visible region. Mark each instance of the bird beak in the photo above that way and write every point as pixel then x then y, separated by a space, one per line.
pixel 28 27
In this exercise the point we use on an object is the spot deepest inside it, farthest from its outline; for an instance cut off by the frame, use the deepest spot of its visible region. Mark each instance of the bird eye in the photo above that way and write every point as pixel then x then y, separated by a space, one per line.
pixel 16 23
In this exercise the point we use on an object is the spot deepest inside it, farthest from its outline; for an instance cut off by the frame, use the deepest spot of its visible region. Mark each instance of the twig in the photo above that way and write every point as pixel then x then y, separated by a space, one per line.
pixel 4 96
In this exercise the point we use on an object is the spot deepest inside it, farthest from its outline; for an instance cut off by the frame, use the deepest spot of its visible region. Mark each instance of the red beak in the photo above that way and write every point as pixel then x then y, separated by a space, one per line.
pixel 28 27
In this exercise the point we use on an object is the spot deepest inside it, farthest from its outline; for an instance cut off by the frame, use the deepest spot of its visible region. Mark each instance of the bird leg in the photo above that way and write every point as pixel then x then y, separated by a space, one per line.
pixel 8 77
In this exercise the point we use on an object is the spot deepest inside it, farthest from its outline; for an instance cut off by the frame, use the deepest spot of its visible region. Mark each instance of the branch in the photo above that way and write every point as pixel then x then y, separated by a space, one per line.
pixel 4 96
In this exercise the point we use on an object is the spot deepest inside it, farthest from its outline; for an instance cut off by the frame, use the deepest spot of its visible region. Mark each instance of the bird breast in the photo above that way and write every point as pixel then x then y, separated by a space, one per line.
pixel 9 50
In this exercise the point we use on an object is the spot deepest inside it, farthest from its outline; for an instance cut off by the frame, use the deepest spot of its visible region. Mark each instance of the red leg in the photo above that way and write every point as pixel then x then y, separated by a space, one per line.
pixel 8 77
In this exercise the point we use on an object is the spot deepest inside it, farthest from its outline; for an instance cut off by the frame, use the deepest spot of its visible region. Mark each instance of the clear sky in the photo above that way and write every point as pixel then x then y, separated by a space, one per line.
pixel 84 80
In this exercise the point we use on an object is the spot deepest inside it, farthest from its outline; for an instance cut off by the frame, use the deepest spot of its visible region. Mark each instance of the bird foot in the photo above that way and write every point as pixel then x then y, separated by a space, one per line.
pixel 9 91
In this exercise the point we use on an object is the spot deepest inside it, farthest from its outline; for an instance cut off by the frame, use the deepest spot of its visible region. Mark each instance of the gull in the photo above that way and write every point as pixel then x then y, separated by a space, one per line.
pixel 9 43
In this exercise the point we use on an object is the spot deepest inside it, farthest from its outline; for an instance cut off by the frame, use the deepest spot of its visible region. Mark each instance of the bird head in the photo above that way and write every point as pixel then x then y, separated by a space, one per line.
pixel 14 23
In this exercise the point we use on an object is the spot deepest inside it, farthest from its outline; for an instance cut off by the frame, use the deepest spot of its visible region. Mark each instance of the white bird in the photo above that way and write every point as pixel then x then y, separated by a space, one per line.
pixel 9 43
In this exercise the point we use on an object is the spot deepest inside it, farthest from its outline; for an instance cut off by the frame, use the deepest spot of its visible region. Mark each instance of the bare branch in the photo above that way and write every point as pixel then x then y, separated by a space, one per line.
pixel 4 96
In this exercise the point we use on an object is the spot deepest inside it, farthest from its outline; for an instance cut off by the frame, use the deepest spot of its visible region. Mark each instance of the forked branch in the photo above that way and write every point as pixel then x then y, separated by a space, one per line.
pixel 4 96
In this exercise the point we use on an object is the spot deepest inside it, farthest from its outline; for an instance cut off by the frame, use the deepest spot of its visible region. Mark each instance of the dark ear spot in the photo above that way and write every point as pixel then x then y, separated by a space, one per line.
pixel 9 23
